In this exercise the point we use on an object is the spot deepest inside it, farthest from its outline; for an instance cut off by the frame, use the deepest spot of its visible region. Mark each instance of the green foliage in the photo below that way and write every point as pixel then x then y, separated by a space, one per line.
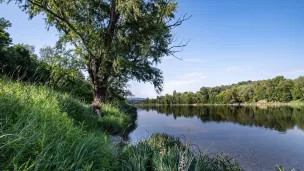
pixel 298 89
pixel 5 39
pixel 203 95
pixel 221 97
pixel 118 40
pixel 114 121
pixel 277 89
pixel 281 168
pixel 18 62
pixel 64 72
pixel 81 113
pixel 56 67
pixel 164 152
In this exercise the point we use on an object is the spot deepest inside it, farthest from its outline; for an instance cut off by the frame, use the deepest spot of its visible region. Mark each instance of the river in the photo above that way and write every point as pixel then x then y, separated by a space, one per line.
pixel 258 138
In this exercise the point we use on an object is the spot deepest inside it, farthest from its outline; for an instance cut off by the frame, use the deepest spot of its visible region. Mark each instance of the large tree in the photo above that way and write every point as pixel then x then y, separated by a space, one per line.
pixel 5 39
pixel 119 40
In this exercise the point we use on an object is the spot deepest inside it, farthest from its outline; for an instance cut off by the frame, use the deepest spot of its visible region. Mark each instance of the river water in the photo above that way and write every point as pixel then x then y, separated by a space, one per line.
pixel 258 138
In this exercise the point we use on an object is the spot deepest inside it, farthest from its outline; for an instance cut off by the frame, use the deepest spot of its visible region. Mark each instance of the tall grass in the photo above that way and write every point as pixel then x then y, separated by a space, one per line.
pixel 114 121
pixel 164 152
pixel 37 133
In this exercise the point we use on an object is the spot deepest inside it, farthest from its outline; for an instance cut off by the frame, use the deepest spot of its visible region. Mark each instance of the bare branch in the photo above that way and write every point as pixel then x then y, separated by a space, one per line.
pixel 180 45
pixel 173 54
pixel 179 21
pixel 177 48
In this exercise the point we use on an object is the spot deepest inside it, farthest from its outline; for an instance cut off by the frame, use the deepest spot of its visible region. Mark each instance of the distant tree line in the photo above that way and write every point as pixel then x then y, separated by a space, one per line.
pixel 278 89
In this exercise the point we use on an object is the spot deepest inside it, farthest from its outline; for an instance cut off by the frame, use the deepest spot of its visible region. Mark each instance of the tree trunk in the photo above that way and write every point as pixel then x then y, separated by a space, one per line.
pixel 99 96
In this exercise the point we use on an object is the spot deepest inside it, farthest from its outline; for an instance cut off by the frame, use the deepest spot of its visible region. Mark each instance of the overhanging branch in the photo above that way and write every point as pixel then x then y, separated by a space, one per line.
pixel 62 19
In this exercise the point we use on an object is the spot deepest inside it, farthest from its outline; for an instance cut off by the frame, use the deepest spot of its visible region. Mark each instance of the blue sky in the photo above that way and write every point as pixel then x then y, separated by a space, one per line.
pixel 230 41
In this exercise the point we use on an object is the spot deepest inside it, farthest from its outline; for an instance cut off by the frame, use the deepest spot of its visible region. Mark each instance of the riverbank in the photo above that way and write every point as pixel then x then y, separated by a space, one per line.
pixel 42 129
pixel 264 104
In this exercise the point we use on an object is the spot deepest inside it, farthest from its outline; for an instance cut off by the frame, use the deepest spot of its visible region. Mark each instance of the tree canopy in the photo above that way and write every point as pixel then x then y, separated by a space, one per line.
pixel 118 40
pixel 5 39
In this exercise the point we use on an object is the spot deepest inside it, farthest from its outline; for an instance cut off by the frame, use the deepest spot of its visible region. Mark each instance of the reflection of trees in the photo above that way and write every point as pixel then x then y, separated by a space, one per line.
pixel 278 118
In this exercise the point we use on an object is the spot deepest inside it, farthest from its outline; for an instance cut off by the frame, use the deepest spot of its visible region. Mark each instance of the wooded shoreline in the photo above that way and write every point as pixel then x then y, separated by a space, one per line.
pixel 270 104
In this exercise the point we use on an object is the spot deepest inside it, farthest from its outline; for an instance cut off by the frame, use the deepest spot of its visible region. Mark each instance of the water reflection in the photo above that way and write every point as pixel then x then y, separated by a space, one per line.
pixel 277 118
pixel 258 138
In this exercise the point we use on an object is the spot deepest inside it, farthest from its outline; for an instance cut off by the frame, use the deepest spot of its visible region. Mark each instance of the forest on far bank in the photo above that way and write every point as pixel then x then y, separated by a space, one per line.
pixel 278 89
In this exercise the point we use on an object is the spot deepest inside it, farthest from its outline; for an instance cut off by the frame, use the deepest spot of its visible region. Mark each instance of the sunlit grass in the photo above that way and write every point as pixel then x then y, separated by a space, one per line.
pixel 37 132
pixel 113 120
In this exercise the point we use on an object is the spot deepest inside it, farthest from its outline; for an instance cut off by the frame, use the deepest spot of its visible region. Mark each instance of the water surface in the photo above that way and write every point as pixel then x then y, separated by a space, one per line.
pixel 258 138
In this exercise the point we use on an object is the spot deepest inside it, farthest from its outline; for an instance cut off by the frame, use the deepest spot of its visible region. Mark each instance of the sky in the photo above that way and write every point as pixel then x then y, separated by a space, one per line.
pixel 230 41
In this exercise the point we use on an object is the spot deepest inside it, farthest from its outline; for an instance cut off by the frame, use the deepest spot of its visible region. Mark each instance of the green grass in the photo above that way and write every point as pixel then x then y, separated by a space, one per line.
pixel 164 152
pixel 114 121
pixel 43 130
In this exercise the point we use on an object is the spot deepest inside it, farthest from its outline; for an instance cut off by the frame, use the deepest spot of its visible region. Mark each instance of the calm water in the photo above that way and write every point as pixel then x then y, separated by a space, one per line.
pixel 258 138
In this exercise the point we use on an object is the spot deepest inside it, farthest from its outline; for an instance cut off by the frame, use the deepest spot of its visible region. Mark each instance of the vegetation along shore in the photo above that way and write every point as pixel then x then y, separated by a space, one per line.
pixel 42 129
pixel 259 104
pixel 61 108
pixel 278 91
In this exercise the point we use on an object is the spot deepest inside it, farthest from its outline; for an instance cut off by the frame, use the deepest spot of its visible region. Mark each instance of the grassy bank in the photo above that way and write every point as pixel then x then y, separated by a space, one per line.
pixel 41 129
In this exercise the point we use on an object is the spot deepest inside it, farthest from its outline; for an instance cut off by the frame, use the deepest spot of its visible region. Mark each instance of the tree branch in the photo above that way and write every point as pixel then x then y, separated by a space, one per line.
pixel 181 48
pixel 59 17
pixel 62 19
pixel 179 21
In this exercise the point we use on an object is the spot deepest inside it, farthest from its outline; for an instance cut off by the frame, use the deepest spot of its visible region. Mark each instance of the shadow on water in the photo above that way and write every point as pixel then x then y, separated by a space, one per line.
pixel 276 118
